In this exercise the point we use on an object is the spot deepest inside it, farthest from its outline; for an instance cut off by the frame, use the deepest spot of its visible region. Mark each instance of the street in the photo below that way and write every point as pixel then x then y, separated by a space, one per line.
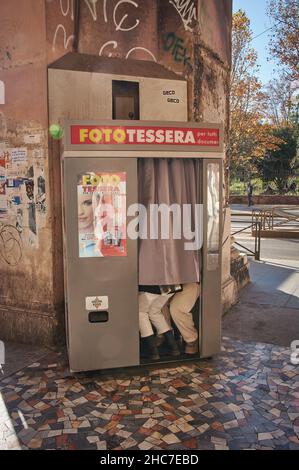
pixel 271 248
pixel 268 308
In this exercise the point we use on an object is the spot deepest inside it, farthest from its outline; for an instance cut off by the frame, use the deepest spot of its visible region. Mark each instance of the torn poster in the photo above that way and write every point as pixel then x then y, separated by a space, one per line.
pixel 18 156
pixel 40 191
pixel 3 196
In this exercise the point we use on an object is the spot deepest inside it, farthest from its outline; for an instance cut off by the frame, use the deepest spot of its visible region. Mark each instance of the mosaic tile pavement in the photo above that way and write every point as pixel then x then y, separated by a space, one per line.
pixel 246 398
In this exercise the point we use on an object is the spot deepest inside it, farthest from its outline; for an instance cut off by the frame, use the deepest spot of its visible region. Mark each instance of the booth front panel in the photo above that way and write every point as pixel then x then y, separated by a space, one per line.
pixel 101 281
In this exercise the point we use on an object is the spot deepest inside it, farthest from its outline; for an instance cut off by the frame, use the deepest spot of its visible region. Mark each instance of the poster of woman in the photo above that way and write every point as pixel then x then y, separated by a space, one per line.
pixel 102 214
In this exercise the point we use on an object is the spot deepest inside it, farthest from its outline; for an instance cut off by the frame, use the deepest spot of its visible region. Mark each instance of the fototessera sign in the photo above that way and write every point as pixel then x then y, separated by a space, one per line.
pixel 144 135
pixel 130 135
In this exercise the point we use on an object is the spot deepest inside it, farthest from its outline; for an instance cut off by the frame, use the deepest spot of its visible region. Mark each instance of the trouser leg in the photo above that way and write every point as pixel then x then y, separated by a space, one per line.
pixel 145 326
pixel 155 313
pixel 180 311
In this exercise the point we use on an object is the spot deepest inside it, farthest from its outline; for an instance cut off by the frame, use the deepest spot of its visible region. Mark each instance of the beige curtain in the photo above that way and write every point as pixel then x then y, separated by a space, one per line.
pixel 168 181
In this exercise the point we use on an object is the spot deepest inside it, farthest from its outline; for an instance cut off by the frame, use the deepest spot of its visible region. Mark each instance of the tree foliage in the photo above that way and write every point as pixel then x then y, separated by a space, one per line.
pixel 280 165
pixel 284 44
pixel 250 135
pixel 281 103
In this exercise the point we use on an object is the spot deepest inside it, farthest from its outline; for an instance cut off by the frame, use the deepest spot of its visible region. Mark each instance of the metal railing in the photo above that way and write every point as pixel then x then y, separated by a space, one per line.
pixel 265 217
pixel 256 231
pixel 269 218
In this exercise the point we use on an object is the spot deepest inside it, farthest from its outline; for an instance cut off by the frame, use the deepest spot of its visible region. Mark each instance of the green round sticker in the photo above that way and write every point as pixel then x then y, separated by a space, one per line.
pixel 56 131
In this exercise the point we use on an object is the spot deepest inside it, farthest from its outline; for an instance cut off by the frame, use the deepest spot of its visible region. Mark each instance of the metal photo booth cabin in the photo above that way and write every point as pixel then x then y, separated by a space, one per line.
pixel 101 292
pixel 114 113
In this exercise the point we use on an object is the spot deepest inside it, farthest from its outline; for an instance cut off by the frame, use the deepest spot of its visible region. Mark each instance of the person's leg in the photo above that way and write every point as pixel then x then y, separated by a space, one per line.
pixel 161 324
pixel 180 311
pixel 155 313
pixel 145 326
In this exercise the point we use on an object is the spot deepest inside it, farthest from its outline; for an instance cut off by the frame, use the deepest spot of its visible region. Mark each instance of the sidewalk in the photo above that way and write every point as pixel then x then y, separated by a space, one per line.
pixel 268 310
pixel 245 398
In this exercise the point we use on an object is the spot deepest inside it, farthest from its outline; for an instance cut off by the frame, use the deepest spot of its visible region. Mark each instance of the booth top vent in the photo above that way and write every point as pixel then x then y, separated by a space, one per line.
pixel 112 65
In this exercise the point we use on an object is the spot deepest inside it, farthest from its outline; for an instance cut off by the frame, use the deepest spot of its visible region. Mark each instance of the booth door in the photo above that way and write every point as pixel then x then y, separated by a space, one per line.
pixel 100 263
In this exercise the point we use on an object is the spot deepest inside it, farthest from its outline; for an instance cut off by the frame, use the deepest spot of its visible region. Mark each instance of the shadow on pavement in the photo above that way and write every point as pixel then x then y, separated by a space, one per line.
pixel 268 310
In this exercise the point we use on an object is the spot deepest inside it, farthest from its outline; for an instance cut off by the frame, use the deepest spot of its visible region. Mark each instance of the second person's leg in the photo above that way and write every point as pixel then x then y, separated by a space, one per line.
pixel 180 311
pixel 162 326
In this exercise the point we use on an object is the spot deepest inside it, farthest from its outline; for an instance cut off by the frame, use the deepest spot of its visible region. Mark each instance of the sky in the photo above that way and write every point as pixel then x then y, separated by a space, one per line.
pixel 256 11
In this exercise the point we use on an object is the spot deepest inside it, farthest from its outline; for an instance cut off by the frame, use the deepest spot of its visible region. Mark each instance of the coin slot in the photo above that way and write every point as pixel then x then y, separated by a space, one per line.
pixel 98 317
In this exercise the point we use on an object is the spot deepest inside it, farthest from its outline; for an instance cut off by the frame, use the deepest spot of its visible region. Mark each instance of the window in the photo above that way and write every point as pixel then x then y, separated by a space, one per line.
pixel 125 104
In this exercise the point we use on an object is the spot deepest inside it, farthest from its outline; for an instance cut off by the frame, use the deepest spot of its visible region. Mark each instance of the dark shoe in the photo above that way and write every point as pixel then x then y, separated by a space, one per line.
pixel 152 348
pixel 191 348
pixel 159 340
pixel 171 344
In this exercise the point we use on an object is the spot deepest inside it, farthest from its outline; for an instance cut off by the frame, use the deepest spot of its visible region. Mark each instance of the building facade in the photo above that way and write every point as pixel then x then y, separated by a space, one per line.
pixel 188 37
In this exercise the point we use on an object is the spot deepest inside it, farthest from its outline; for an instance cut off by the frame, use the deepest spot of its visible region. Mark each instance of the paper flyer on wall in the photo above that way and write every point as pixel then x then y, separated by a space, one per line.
pixel 102 214
pixel 3 195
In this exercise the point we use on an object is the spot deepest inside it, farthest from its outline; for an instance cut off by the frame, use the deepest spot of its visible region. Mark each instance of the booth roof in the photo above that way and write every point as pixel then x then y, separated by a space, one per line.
pixel 114 66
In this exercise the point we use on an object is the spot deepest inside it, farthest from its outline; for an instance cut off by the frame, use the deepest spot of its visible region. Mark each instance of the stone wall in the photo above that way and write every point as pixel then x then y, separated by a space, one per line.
pixel 27 304
pixel 266 199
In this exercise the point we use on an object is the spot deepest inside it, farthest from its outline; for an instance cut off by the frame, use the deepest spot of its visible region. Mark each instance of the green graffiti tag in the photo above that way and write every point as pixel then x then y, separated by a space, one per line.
pixel 176 46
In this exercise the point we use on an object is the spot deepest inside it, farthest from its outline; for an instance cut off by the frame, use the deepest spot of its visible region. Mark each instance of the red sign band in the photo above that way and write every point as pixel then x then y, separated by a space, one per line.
pixel 138 135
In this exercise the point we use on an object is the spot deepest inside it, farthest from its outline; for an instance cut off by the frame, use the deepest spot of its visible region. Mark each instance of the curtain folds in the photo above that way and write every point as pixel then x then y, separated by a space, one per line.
pixel 169 181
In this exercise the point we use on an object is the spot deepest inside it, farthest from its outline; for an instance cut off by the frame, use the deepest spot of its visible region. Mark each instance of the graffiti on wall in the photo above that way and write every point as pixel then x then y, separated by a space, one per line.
pixel 187 11
pixel 119 26
pixel 176 47
pixel 66 9
pixel 10 244
pixel 114 46
pixel 67 40
pixel 121 21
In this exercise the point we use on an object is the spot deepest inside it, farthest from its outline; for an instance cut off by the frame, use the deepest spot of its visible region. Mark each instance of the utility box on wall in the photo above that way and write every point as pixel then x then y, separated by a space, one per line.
pixel 89 87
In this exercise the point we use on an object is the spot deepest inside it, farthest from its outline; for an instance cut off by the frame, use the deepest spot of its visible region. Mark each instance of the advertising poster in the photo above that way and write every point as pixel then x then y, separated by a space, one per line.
pixel 3 195
pixel 16 162
pixel 102 214
pixel 3 198
pixel 40 196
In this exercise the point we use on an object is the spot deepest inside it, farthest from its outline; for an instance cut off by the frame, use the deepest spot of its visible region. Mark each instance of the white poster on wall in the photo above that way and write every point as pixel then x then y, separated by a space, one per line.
pixel 32 139
pixel 18 156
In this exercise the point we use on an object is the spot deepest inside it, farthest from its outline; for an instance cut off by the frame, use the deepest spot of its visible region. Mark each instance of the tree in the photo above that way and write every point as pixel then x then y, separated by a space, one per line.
pixel 279 166
pixel 281 104
pixel 284 44
pixel 250 135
